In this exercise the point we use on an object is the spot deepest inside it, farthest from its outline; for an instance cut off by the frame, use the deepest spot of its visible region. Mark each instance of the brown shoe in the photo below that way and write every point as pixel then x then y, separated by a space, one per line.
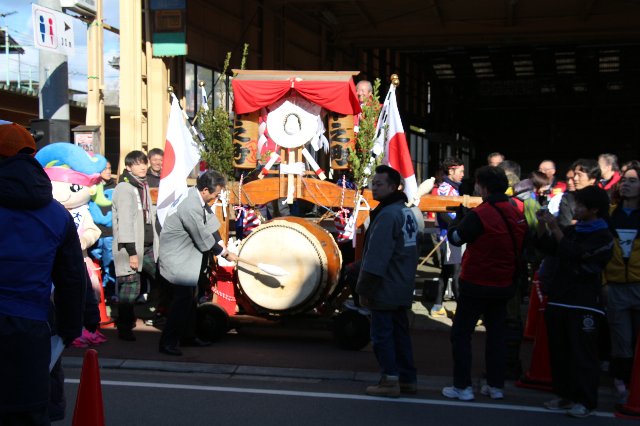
pixel 388 386
pixel 409 388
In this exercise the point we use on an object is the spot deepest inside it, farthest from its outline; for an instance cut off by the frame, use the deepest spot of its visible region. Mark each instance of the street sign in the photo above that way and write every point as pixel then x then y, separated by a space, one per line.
pixel 52 30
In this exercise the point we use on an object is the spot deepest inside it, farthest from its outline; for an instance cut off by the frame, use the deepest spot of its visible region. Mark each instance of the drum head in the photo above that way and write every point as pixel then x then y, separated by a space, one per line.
pixel 291 247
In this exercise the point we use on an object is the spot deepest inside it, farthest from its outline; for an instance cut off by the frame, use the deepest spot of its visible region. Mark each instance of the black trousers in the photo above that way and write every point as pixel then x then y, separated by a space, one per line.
pixel 448 271
pixel 26 418
pixel 573 351
pixel 181 321
pixel 468 311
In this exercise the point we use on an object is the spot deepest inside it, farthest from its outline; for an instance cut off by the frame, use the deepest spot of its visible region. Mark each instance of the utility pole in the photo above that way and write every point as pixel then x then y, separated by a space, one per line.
pixel 95 83
pixel 54 88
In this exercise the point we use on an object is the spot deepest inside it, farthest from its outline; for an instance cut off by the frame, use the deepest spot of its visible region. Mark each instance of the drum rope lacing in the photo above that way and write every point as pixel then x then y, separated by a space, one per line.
pixel 225 296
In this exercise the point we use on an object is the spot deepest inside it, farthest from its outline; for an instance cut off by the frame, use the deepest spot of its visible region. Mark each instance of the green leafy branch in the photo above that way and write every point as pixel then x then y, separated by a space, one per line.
pixel 360 158
pixel 215 124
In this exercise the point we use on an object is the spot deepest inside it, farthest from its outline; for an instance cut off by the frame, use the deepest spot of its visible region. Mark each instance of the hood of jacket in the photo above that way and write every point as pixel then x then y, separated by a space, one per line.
pixel 23 183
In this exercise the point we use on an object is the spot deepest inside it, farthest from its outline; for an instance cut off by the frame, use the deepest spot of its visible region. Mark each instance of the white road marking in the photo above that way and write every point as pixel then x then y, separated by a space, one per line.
pixel 279 392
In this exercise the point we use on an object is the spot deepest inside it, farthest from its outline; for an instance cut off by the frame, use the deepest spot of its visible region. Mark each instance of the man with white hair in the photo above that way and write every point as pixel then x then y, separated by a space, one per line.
pixel 364 90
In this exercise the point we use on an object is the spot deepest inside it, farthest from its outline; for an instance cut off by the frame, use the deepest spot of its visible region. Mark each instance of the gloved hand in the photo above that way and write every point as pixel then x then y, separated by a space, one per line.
pixel 91 328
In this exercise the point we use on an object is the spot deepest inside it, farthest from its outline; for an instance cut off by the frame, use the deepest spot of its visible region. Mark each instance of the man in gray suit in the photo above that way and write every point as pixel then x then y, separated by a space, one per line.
pixel 189 232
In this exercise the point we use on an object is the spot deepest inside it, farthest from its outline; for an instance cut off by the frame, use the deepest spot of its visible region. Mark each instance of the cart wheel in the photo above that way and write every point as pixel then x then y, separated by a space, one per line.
pixel 212 322
pixel 351 330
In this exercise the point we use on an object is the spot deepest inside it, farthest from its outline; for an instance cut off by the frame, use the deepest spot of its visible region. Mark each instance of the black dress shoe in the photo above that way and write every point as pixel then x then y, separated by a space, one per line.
pixel 170 350
pixel 195 342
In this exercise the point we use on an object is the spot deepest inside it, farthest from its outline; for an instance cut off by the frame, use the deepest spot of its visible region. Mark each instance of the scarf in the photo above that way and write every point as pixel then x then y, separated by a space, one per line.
pixel 591 226
pixel 456 185
pixel 143 189
pixel 392 198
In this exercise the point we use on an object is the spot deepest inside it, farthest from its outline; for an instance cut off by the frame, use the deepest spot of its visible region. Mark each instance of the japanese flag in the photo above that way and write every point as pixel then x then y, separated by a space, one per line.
pixel 394 143
pixel 181 155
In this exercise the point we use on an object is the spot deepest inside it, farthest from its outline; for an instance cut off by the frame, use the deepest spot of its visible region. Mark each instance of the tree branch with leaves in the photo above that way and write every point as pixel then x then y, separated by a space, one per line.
pixel 362 160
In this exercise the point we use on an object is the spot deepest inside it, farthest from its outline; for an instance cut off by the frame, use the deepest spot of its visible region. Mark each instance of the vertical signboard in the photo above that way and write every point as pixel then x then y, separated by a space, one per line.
pixel 52 30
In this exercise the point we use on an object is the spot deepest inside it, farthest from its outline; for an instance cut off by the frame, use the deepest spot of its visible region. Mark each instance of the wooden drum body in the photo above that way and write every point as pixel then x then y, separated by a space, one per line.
pixel 305 250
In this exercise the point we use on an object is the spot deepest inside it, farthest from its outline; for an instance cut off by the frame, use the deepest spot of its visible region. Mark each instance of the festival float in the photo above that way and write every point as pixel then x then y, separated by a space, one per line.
pixel 295 136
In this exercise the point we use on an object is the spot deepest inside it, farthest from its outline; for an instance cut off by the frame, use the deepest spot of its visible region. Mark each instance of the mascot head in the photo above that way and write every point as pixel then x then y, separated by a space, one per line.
pixel 73 172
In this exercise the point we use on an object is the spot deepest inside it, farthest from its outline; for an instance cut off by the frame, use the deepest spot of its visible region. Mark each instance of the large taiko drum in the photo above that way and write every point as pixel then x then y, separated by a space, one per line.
pixel 306 251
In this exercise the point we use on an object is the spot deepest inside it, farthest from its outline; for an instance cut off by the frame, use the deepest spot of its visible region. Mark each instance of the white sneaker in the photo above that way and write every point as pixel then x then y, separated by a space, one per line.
pixel 461 394
pixel 490 391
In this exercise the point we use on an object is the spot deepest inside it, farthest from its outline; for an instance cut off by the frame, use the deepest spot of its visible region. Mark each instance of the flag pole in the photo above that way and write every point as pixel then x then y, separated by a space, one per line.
pixel 195 133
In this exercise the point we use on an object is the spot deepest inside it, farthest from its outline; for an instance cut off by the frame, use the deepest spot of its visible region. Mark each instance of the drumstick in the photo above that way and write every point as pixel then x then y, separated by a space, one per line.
pixel 274 270
pixel 432 251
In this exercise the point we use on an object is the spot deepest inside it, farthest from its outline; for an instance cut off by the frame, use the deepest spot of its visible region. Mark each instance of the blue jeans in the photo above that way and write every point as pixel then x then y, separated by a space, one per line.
pixel 392 343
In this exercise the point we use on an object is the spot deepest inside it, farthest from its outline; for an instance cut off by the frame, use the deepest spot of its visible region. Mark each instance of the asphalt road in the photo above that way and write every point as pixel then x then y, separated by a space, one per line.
pixel 160 398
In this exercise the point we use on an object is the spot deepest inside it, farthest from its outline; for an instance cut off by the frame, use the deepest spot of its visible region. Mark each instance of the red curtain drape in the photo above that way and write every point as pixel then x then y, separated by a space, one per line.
pixel 337 96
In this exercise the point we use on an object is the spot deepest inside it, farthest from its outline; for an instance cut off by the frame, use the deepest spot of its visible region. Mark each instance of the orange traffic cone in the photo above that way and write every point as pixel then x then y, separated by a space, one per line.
pixel 89 410
pixel 105 319
pixel 539 374
pixel 535 297
pixel 631 409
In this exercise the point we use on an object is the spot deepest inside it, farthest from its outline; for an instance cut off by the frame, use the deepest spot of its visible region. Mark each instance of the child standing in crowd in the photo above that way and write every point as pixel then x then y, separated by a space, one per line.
pixel 579 253
pixel 100 209
pixel 134 245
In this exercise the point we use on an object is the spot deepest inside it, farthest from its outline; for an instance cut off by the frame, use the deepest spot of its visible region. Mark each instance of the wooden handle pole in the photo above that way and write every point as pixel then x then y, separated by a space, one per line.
pixel 432 251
